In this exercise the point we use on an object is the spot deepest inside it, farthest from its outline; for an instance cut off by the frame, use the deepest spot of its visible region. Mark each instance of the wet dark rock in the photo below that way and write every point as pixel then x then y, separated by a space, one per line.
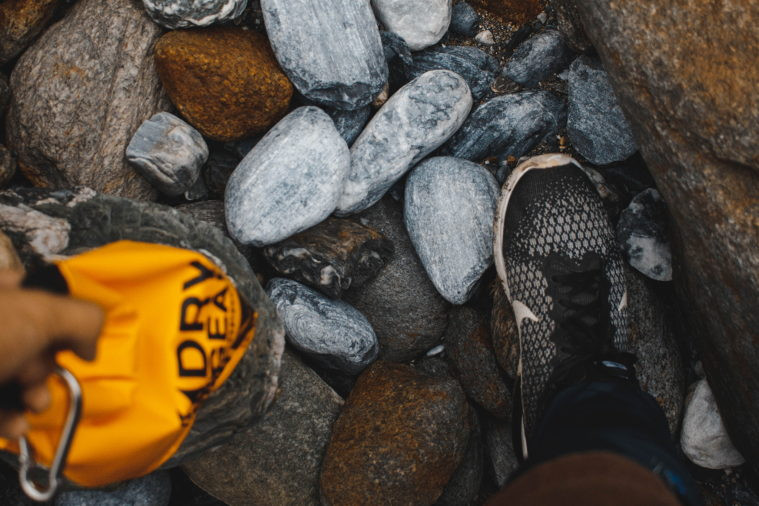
pixel 407 313
pixel 508 125
pixel 464 20
pixel 503 331
pixel 464 486
pixel 350 123
pixel 643 234
pixel 332 332
pixel 217 170
pixel 596 125
pixel 394 47
pixel 7 165
pixel 501 457
pixel 421 23
pixel 21 21
pixel 344 65
pixel 449 209
pixel 5 94
pixel 174 14
pixel 153 489
pixel 290 181
pixel 332 256
pixel 210 211
pixel 570 25
pixel 400 436
pixel 538 58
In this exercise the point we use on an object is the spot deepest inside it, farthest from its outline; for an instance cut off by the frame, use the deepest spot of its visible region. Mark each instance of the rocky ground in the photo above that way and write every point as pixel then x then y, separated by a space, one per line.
pixel 344 157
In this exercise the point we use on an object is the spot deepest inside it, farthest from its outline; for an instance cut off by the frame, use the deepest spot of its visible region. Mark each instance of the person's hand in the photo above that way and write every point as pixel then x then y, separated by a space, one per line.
pixel 33 326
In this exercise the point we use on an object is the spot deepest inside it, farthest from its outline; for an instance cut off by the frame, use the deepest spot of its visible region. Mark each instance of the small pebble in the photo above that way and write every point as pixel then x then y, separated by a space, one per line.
pixel 174 14
pixel 485 37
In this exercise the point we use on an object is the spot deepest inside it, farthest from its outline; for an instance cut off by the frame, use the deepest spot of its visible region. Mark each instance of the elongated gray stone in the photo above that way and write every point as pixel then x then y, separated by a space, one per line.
pixel 290 181
pixel 168 152
pixel 333 332
pixel 415 121
pixel 330 49
pixel 537 58
pixel 421 23
pixel 449 208
pixel 509 125
pixel 175 14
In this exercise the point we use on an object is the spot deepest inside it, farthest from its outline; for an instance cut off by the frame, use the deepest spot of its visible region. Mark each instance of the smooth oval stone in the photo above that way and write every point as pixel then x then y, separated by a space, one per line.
pixel 508 125
pixel 537 58
pixel 416 120
pixel 289 181
pixel 421 23
pixel 448 210
pixel 642 233
pixel 168 152
pixel 330 49
pixel 175 14
pixel 332 332
pixel 464 20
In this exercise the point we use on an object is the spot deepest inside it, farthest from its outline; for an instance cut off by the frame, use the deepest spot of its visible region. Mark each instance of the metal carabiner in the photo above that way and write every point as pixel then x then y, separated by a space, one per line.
pixel 64 445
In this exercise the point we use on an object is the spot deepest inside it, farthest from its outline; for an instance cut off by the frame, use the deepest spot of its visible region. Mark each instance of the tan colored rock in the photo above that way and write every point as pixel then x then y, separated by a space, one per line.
pixel 682 74
pixel 514 11
pixel 8 257
pixel 225 81
pixel 20 22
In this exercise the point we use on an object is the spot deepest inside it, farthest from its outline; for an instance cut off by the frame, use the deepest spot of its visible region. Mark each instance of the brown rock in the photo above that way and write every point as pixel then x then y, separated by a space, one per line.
pixel 7 165
pixel 514 11
pixel 79 93
pixel 570 25
pixel 8 257
pixel 224 80
pixel 503 330
pixel 20 22
pixel 681 75
pixel 398 440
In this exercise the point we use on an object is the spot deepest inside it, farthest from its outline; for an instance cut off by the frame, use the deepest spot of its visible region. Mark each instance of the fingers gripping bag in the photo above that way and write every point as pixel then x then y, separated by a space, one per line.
pixel 176 328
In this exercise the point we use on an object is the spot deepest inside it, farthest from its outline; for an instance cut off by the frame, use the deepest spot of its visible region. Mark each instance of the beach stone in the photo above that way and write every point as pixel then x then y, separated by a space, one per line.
pixel 332 256
pixel 704 439
pixel 596 125
pixel 469 351
pixel 501 457
pixel 537 58
pixel 421 23
pixel 485 37
pixel 290 181
pixel 503 331
pixel 223 80
pixel 508 125
pixel 464 486
pixel 153 489
pixel 5 94
pixel 168 152
pixel 79 93
pixel 407 313
pixel 350 123
pixel 344 65
pixel 20 23
pixel 399 438
pixel 569 24
pixel 8 257
pixel 464 20
pixel 174 14
pixel 210 211
pixel 449 209
pixel 513 11
pixel 217 170
pixel 332 332
pixel 478 68
pixel 277 459
pixel 415 121
pixel 642 233
pixel 7 165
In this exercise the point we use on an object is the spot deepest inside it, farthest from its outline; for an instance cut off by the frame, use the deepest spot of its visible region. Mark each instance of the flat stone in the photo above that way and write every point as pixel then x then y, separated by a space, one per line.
pixel 21 21
pixel 464 20
pixel 332 256
pixel 478 68
pixel 243 91
pixel 508 125
pixel 79 93
pixel 153 489
pixel 331 50
pixel 421 23
pixel 276 460
pixel 642 233
pixel 7 165
pixel 512 11
pixel 596 126
pixel 406 312
pixel 290 181
pixel 168 152
pixel 704 438
pixel 350 123
pixel 415 121
pixel 400 436
pixel 449 209
pixel 174 14
pixel 537 58
pixel 332 332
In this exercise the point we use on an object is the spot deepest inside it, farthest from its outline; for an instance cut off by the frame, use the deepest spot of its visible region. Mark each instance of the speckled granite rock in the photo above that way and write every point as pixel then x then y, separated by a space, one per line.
pixel 501 458
pixel 538 58
pixel 290 181
pixel 464 486
pixel 416 120
pixel 596 126
pixel 333 333
pixel 153 489
pixel 20 22
pixel 175 14
pixel 464 20
pixel 508 125
pixel 330 49
pixel 449 209
pixel 223 80
pixel 421 23
pixel 643 234
pixel 400 437
pixel 79 93
pixel 168 152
